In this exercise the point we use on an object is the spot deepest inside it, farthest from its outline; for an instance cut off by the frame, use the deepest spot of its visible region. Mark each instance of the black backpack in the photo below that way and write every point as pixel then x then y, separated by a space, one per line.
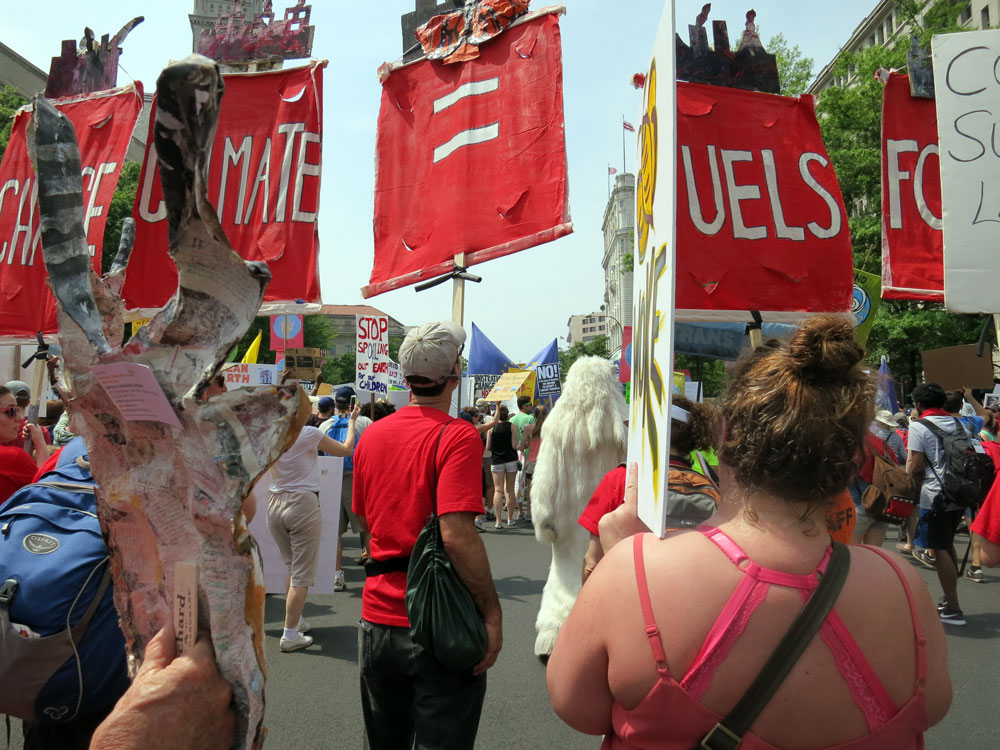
pixel 968 470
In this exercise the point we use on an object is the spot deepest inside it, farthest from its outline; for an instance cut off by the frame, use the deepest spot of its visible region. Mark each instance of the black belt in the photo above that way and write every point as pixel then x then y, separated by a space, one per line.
pixel 390 565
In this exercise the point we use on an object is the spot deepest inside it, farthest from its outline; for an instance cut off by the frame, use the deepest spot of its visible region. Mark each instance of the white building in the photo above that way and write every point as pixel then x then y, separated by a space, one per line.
pixel 619 242
pixel 584 328
pixel 884 25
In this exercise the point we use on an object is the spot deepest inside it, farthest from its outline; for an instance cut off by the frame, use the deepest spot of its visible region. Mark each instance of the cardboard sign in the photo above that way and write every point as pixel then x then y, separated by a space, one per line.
pixel 912 254
pixel 372 355
pixel 954 367
pixel 483 384
pixel 508 385
pixel 304 364
pixel 967 94
pixel 653 295
pixel 549 384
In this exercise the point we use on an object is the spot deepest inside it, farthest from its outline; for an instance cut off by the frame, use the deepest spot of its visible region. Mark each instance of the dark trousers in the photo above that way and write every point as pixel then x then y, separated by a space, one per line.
pixel 409 699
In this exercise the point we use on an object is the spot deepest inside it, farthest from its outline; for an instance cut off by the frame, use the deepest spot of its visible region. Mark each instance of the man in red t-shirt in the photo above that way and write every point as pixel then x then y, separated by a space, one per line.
pixel 406 693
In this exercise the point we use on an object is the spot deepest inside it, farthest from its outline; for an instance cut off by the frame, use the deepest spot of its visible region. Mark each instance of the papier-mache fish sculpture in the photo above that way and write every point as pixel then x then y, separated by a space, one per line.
pixel 170 484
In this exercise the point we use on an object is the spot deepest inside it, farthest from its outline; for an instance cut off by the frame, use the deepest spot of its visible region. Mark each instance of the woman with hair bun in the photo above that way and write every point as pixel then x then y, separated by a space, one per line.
pixel 660 662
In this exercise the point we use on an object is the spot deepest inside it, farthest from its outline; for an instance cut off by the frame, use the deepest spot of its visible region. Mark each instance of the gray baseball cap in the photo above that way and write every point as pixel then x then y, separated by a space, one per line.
pixel 19 388
pixel 431 350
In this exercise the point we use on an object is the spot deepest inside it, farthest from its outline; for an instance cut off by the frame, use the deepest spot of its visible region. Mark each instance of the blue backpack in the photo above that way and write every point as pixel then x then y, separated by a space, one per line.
pixel 338 431
pixel 62 653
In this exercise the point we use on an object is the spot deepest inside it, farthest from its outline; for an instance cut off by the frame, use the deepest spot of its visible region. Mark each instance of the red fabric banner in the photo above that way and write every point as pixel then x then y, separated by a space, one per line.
pixel 760 219
pixel 912 243
pixel 471 157
pixel 263 180
pixel 104 122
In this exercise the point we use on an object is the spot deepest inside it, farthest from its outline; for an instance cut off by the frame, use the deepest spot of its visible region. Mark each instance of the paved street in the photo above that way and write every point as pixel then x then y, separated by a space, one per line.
pixel 313 700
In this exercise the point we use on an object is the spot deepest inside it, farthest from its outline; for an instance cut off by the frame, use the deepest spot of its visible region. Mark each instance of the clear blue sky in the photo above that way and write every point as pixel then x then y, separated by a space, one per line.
pixel 525 299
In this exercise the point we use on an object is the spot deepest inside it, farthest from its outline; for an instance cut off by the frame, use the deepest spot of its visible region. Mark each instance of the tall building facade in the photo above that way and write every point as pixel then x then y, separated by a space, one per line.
pixel 585 328
pixel 885 24
pixel 619 244
pixel 207 12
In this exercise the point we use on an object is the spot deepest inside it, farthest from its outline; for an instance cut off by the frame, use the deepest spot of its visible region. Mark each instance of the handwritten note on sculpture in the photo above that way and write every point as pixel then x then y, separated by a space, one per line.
pixel 967 93
pixel 372 355
pixel 134 390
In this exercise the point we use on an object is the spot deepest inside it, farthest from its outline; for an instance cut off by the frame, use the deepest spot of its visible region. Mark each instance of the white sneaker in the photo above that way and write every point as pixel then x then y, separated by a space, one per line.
pixel 303 626
pixel 339 584
pixel 301 640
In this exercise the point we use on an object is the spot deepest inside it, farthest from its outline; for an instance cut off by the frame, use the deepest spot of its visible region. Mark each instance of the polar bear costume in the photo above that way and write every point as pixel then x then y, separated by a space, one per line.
pixel 583 438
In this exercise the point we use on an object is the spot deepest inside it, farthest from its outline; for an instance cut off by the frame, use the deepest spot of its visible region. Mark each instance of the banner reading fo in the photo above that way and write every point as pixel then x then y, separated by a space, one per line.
pixel 263 180
pixel 104 122
pixel 761 223
pixel 471 157
pixel 967 94
pixel 653 297
pixel 372 355
pixel 912 256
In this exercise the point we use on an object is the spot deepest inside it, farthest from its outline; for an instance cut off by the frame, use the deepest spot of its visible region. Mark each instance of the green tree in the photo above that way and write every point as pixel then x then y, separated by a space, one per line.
pixel 318 333
pixel 795 71
pixel 850 118
pixel 119 210
pixel 713 373
pixel 342 369
pixel 597 347
pixel 10 102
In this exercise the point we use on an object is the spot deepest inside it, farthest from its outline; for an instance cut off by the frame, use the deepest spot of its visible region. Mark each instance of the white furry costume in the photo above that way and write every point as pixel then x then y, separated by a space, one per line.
pixel 582 440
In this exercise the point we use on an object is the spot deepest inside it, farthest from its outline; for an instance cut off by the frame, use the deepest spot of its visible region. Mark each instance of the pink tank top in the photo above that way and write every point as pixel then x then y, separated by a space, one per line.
pixel 672 717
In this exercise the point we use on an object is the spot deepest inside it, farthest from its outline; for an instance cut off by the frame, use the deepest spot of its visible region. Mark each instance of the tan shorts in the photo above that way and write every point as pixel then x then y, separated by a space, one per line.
pixel 347 514
pixel 295 522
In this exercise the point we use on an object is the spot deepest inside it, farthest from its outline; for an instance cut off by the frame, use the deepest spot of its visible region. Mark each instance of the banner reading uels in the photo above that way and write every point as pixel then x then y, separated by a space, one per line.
pixel 103 123
pixel 653 296
pixel 264 180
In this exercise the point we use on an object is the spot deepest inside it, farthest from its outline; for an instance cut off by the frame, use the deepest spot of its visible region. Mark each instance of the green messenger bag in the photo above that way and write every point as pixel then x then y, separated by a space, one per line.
pixel 443 616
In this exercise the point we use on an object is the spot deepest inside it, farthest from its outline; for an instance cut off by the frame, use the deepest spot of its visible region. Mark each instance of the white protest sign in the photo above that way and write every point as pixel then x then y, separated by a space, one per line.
pixel 967 94
pixel 653 293
pixel 239 375
pixel 372 354
pixel 135 391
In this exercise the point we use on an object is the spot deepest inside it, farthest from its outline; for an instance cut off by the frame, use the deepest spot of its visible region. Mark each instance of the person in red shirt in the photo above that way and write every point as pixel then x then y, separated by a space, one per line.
pixel 420 451
pixel 17 468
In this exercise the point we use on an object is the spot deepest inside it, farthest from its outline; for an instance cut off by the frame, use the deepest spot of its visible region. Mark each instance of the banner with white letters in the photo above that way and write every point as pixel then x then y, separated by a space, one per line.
pixel 103 122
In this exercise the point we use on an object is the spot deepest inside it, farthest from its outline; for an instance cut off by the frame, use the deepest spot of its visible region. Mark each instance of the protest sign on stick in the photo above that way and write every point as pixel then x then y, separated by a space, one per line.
pixel 967 95
pixel 653 306
pixel 372 355
pixel 508 385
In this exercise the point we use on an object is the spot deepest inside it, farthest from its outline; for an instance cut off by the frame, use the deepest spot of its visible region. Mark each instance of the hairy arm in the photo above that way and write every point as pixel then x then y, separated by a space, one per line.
pixel 468 556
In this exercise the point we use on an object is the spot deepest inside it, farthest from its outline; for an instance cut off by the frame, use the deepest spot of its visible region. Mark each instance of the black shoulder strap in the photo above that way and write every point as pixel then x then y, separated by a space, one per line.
pixel 728 733
pixel 434 484
pixel 935 430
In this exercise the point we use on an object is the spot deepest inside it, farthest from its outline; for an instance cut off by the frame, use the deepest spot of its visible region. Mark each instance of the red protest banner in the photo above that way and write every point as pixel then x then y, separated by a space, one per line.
pixel 760 219
pixel 912 243
pixel 471 157
pixel 263 179
pixel 104 122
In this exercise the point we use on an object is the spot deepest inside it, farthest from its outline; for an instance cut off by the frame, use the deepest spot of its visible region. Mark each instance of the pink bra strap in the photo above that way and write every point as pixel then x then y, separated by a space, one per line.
pixel 918 630
pixel 652 632
pixel 721 540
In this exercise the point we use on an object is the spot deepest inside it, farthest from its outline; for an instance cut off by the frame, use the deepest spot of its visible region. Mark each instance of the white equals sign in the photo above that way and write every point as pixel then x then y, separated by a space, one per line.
pixel 472 135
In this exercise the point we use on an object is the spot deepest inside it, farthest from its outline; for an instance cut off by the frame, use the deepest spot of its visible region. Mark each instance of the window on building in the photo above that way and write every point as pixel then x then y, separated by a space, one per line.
pixel 602 319
pixel 888 24
pixel 966 14
pixel 984 18
pixel 588 338
pixel 880 35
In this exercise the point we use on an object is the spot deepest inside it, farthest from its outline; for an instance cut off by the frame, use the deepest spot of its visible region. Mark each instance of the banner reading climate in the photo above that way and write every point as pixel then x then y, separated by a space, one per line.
pixel 264 180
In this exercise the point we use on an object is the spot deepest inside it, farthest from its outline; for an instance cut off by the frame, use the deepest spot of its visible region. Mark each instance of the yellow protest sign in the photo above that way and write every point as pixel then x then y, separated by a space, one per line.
pixel 508 385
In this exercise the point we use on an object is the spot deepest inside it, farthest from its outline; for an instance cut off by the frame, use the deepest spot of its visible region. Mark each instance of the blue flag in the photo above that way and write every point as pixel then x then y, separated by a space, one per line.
pixel 886 397
pixel 547 380
pixel 484 356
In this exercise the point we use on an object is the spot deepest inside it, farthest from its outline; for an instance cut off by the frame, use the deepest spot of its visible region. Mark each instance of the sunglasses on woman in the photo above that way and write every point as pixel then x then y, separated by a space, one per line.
pixel 11 412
